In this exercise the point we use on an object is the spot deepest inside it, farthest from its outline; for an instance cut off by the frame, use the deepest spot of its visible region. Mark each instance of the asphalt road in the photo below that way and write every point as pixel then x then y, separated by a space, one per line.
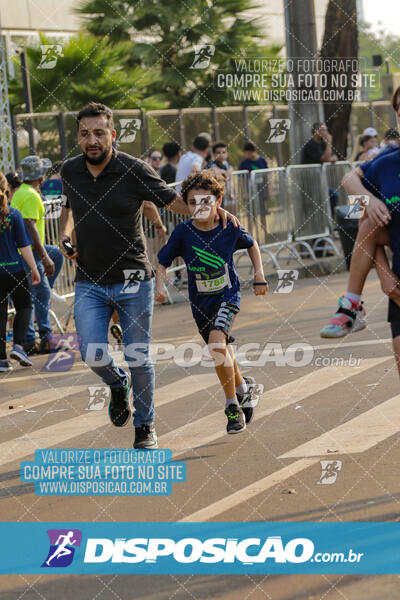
pixel 326 400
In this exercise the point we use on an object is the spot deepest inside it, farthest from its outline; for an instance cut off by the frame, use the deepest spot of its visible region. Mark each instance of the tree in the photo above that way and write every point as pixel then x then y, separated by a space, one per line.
pixel 164 35
pixel 340 41
pixel 88 69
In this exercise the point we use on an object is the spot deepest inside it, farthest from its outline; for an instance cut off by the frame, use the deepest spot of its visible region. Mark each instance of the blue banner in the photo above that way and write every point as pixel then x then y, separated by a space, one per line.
pixel 200 548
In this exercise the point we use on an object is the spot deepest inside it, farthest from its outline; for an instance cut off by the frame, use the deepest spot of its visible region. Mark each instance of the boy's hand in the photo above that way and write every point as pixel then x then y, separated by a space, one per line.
pixel 260 285
pixel 161 294
pixel 377 211
pixel 226 216
pixel 35 276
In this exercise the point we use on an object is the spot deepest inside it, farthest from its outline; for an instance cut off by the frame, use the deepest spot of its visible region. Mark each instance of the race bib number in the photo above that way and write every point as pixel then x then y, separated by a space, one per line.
pixel 214 284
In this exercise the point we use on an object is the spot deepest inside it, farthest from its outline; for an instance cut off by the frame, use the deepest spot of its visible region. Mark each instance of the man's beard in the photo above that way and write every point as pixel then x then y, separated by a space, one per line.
pixel 97 160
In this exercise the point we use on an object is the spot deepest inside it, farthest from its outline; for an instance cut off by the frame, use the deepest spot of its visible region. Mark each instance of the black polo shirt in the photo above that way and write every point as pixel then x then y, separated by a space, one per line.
pixel 107 212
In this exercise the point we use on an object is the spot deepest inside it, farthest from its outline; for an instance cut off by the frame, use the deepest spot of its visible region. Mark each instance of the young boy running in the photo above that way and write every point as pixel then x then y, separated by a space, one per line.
pixel 214 290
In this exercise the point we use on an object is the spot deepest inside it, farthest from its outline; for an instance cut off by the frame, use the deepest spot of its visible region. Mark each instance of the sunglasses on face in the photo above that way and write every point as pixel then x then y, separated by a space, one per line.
pixel 156 157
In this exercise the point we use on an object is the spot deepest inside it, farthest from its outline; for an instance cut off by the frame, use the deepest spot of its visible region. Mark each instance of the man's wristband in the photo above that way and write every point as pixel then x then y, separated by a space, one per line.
pixel 260 282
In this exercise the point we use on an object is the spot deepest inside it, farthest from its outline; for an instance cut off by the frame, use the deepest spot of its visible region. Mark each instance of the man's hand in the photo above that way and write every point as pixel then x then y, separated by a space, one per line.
pixel 35 276
pixel 48 265
pixel 226 216
pixel 160 293
pixel 66 238
pixel 377 212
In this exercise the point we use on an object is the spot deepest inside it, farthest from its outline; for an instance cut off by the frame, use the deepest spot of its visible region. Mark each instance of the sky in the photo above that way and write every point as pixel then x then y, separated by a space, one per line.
pixel 383 14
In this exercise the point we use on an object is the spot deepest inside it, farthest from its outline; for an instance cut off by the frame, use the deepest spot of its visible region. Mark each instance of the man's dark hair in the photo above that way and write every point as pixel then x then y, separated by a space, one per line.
pixel 249 147
pixel 218 145
pixel 315 127
pixel 201 143
pixel 96 109
pixel 207 180
pixel 391 134
pixel 171 149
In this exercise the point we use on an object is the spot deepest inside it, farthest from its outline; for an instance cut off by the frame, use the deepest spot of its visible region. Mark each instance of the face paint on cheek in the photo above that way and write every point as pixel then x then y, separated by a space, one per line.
pixel 204 205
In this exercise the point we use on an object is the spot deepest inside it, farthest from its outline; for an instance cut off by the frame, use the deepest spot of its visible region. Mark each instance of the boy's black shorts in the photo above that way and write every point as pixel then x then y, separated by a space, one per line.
pixel 221 318
pixel 394 318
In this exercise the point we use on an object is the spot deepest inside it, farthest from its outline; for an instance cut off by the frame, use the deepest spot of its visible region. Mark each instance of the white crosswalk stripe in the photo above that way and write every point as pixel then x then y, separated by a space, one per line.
pixel 192 434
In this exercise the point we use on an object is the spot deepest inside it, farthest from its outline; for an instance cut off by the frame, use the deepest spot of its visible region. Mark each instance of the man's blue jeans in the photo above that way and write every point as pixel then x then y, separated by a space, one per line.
pixel 41 295
pixel 94 305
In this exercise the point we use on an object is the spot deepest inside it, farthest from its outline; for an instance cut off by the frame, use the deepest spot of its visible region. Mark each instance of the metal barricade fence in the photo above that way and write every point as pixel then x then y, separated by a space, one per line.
pixel 333 174
pixel 274 217
pixel 308 195
pixel 64 285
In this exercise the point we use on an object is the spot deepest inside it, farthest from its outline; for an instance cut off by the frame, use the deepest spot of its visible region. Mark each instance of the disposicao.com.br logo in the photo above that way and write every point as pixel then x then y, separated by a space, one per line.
pixel 191 550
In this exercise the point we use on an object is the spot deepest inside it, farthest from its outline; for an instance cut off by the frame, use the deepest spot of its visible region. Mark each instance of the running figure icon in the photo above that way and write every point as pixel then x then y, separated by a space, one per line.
pixel 62 549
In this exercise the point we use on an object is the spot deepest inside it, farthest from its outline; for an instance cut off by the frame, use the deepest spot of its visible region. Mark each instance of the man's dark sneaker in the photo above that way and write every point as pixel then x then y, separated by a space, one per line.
pixel 31 348
pixel 236 419
pixel 145 437
pixel 118 409
pixel 44 345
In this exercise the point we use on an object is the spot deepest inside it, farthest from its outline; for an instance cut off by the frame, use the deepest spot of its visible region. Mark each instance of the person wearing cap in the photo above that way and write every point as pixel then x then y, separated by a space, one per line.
pixel 28 201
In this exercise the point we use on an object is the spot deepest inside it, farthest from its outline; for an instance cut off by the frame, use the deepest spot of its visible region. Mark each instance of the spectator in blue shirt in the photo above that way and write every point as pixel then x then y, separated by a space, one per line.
pixel 252 160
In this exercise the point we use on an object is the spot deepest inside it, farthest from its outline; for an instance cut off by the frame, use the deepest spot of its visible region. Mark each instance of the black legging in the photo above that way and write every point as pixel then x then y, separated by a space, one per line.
pixel 17 286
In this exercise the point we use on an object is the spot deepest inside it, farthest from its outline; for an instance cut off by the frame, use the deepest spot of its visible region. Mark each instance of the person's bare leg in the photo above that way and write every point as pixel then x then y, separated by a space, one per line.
pixel 368 237
pixel 224 366
pixel 396 350
pixel 238 377
pixel 390 283
pixel 350 315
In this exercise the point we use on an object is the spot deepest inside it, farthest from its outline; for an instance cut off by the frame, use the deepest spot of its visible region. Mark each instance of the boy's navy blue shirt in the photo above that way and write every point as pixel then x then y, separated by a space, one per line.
pixel 382 178
pixel 13 237
pixel 212 277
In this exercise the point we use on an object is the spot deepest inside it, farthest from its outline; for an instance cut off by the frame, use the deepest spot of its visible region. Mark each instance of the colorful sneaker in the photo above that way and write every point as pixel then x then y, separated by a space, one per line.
pixel 5 365
pixel 236 419
pixel 249 400
pixel 118 409
pixel 19 354
pixel 145 438
pixel 349 317
pixel 116 332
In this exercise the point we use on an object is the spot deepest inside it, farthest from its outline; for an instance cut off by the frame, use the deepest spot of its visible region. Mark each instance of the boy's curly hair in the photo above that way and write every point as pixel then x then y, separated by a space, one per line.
pixel 207 179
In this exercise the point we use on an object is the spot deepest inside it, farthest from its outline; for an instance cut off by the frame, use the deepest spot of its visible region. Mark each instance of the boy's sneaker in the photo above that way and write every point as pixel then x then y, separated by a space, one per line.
pixel 145 437
pixel 19 354
pixel 5 365
pixel 116 332
pixel 249 400
pixel 118 409
pixel 236 419
pixel 350 317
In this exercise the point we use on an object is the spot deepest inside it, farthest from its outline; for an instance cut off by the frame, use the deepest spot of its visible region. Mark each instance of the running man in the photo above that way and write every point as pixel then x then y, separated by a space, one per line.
pixel 105 192
pixel 214 289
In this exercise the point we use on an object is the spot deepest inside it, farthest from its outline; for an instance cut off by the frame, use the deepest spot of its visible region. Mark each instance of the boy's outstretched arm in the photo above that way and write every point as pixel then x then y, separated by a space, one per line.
pixel 160 292
pixel 260 285
pixel 390 283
